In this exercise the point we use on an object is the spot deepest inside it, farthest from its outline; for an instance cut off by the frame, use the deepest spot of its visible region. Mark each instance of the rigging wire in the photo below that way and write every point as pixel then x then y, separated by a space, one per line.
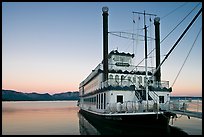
pixel 173 11
pixel 165 37
pixel 151 42
pixel 180 22
pixel 166 56
pixel 137 34
pixel 136 40
pixel 170 13
pixel 133 33
pixel 127 33
pixel 173 29
pixel 152 23
pixel 187 56
pixel 128 45
pixel 179 39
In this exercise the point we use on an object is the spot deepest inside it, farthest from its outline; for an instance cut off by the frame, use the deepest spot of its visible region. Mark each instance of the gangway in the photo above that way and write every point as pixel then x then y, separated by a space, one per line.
pixel 188 113
pixel 188 107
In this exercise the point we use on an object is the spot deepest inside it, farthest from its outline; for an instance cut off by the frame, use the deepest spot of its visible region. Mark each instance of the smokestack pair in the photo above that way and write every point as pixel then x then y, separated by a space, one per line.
pixel 105 45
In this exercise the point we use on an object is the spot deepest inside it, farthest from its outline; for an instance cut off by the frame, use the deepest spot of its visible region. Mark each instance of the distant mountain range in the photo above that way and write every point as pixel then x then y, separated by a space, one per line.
pixel 11 95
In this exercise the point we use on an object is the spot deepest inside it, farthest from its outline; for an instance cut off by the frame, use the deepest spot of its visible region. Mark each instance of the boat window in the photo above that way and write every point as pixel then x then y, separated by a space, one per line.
pixel 94 100
pixel 122 77
pixel 143 94
pixel 104 100
pixel 124 59
pixel 129 78
pixel 116 58
pixel 111 79
pixel 117 78
pixel 130 61
pixel 110 76
pixel 161 99
pixel 83 90
pixel 101 101
pixel 97 101
pixel 121 59
pixel 140 79
pixel 145 80
pixel 120 98
pixel 129 81
pixel 134 79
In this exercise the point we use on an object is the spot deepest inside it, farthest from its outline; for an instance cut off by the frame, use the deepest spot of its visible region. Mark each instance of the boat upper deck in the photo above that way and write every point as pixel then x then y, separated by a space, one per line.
pixel 122 73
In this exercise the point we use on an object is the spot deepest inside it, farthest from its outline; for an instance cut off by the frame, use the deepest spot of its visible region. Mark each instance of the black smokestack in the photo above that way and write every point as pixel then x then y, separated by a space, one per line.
pixel 157 47
pixel 105 43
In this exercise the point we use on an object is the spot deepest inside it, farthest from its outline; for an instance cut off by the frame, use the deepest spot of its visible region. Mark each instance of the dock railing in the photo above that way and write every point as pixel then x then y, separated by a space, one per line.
pixel 186 106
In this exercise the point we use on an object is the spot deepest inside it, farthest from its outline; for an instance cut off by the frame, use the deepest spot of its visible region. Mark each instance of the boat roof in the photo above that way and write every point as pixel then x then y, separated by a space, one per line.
pixel 115 52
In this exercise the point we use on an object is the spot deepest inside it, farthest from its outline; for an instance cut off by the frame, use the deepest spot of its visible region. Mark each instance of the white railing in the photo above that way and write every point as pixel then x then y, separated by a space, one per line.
pixel 186 105
pixel 131 107
pixel 112 82
pixel 161 84
pixel 131 68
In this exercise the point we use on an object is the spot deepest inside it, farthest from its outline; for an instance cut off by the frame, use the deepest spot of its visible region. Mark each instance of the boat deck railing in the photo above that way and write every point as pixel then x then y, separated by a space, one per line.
pixel 128 82
pixel 132 106
pixel 131 68
pixel 161 84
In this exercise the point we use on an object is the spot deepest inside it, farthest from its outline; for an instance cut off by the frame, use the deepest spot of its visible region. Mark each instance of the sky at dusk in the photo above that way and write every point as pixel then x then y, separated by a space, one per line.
pixel 50 47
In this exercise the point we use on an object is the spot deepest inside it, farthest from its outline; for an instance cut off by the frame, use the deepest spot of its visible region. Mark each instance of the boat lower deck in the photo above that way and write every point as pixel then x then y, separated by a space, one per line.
pixel 91 126
pixel 130 119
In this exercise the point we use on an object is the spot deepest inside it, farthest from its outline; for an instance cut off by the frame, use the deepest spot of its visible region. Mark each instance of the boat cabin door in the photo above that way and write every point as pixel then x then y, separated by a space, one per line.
pixel 120 98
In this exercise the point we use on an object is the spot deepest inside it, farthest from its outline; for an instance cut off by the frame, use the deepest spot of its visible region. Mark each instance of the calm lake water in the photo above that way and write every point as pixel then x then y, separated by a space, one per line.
pixel 62 118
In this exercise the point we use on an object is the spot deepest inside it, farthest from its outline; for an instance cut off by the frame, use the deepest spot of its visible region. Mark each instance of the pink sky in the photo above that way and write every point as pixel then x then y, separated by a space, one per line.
pixel 52 47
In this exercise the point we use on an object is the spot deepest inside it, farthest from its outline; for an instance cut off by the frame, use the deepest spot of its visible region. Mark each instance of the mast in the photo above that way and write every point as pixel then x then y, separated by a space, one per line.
pixel 105 43
pixel 146 80
pixel 146 86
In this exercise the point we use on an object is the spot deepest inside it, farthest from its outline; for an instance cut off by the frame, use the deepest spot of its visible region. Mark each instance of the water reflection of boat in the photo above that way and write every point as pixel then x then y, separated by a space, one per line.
pixel 90 126
pixel 85 127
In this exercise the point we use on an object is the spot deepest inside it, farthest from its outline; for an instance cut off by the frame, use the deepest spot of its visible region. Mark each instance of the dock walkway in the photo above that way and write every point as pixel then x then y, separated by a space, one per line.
pixel 188 113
